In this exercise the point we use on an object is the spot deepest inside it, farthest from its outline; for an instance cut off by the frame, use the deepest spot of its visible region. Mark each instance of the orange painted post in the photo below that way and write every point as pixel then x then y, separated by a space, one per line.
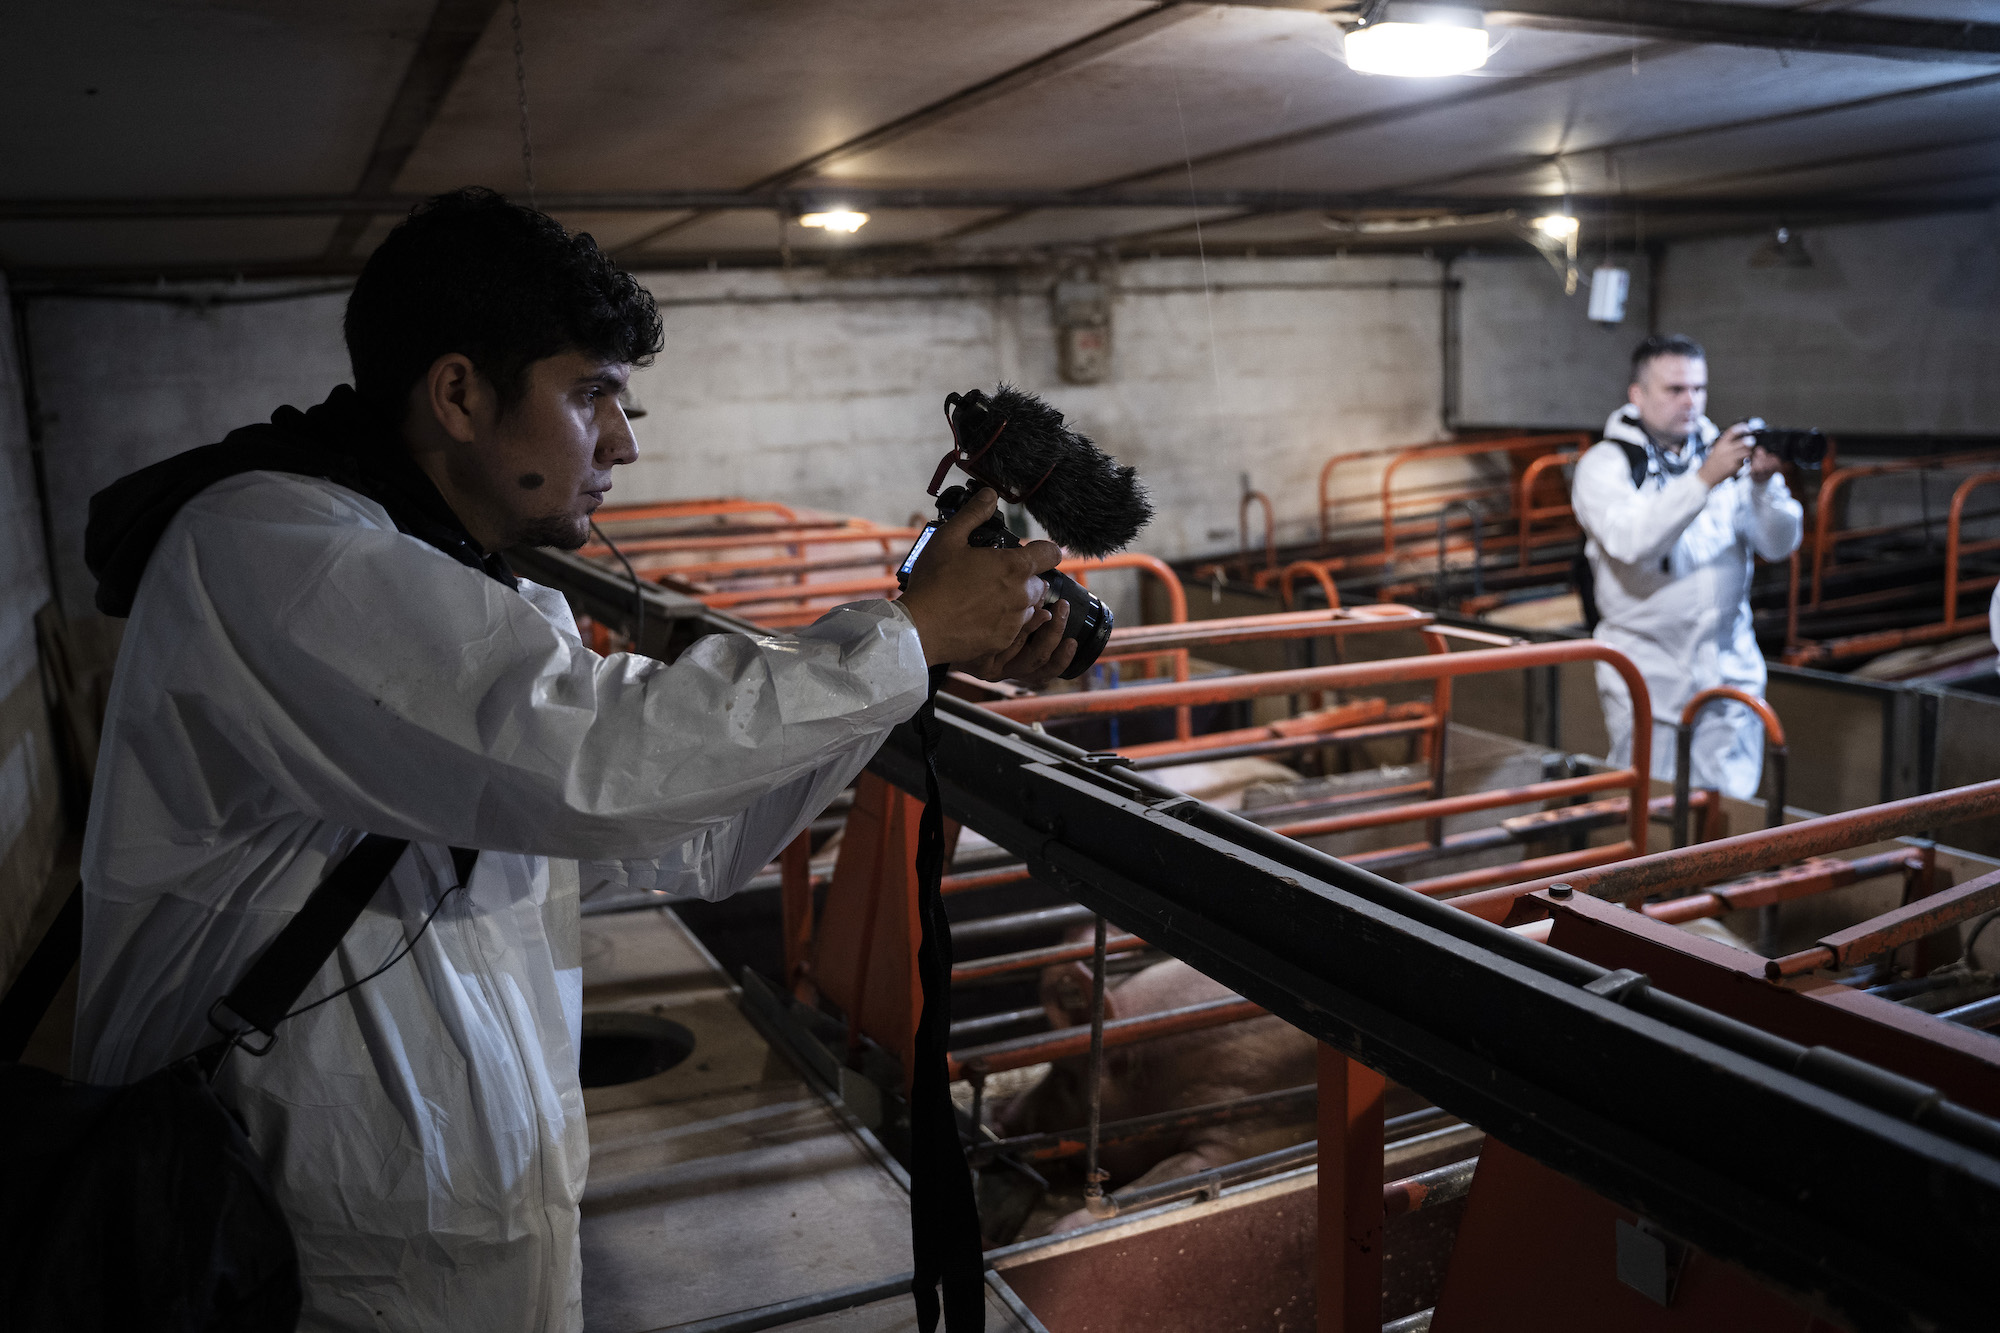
pixel 796 906
pixel 1348 1282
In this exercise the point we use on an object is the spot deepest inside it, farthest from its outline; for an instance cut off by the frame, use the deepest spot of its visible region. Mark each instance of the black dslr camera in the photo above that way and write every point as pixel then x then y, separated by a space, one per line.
pixel 1806 448
pixel 1089 618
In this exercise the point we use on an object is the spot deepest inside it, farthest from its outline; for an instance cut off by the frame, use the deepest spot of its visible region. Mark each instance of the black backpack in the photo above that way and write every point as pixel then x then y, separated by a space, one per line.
pixel 145 1206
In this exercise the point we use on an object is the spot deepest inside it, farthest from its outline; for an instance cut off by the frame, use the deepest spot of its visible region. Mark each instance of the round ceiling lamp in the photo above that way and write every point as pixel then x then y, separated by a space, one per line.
pixel 1418 41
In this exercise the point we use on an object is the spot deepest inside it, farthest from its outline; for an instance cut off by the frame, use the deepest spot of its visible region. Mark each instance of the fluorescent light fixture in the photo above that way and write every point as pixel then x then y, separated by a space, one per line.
pixel 1559 225
pixel 836 219
pixel 1419 41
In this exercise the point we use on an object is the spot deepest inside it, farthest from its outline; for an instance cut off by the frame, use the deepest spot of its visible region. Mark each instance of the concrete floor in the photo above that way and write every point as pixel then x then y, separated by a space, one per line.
pixel 725 1183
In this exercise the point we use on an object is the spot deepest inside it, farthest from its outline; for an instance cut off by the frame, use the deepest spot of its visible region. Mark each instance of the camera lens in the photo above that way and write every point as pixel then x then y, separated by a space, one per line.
pixel 1089 621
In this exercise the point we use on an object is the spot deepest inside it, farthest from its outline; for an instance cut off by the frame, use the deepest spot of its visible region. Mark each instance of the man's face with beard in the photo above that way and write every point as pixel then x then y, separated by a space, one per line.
pixel 533 473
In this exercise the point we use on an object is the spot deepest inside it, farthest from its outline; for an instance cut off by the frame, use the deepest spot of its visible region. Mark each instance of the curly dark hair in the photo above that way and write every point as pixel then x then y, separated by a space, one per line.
pixel 473 272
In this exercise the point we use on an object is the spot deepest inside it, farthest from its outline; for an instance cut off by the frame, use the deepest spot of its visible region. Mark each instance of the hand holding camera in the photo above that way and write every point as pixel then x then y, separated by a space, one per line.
pixel 973 603
pixel 1767 447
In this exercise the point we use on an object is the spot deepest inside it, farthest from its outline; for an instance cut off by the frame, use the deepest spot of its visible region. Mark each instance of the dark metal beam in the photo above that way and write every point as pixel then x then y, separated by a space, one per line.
pixel 1711 24
pixel 875 199
pixel 1025 75
pixel 1596 1074
pixel 1529 162
pixel 455 28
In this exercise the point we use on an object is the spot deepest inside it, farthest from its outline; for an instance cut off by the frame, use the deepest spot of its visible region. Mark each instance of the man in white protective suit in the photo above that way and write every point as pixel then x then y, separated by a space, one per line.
pixel 1674 510
pixel 324 642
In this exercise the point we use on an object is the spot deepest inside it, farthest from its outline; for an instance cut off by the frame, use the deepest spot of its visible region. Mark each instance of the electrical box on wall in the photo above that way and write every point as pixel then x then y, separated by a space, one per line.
pixel 1083 329
pixel 1608 289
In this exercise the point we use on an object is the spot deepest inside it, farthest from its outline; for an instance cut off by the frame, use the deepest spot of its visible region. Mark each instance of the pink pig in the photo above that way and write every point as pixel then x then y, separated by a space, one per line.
pixel 1166 1074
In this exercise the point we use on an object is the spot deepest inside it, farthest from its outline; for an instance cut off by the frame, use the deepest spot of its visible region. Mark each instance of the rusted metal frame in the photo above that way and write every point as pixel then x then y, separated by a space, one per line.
pixel 1491 1034
pixel 1438 666
pixel 1029 960
pixel 1365 619
pixel 1508 446
pixel 1954 547
pixel 1310 724
pixel 1055 1147
pixel 1881 641
pixel 1428 1189
pixel 1293 744
pixel 1830 486
pixel 1555 863
pixel 1893 929
pixel 1776 752
pixel 1466 803
pixel 818 534
pixel 1524 502
pixel 1349 1202
pixel 1705 863
pixel 711 571
pixel 795 898
pixel 1177 614
pixel 1317 570
pixel 1812 876
pixel 984 879
pixel 1522 828
pixel 797 592
pixel 712 507
pixel 1475 523
pixel 1066 1043
pixel 1326 501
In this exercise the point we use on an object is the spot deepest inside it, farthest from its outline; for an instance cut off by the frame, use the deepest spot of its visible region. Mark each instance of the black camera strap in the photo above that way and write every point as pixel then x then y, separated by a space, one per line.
pixel 944 1216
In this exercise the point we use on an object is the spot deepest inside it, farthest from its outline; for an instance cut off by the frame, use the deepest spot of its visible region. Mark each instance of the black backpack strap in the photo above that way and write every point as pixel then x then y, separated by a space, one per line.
pixel 1635 458
pixel 34 990
pixel 288 964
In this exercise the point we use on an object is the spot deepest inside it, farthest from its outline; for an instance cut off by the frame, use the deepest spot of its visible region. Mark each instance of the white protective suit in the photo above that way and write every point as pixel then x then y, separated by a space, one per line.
pixel 297 671
pixel 1671 561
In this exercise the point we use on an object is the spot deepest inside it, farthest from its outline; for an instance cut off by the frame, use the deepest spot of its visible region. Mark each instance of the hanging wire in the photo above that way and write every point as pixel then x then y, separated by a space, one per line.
pixel 521 98
pixel 638 589
pixel 400 954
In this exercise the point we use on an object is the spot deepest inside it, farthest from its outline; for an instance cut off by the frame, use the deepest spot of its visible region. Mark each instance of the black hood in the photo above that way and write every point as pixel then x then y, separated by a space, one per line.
pixel 339 441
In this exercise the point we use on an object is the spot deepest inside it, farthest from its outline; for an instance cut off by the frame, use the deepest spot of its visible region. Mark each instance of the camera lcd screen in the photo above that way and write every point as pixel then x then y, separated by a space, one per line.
pixel 916 549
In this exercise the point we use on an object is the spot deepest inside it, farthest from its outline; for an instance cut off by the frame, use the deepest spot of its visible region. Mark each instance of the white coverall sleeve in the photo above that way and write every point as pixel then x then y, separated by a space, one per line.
pixel 1773 522
pixel 375 682
pixel 1629 525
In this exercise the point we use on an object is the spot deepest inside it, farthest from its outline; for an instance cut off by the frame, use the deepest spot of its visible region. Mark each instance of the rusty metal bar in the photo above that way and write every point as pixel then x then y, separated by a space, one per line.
pixel 979 969
pixel 1243 529
pixel 1953 536
pixel 1774 744
pixel 1466 803
pixel 1440 667
pixel 1054 1147
pixel 1291 744
pixel 1815 875
pixel 1064 1043
pixel 1371 618
pixel 1524 504
pixel 1708 862
pixel 714 506
pixel 1891 930
pixel 1428 1189
pixel 1320 574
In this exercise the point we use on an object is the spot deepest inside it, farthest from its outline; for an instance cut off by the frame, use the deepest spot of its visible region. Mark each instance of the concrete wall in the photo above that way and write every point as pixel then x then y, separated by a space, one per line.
pixel 1532 356
pixel 1892 329
pixel 31 810
pixel 828 392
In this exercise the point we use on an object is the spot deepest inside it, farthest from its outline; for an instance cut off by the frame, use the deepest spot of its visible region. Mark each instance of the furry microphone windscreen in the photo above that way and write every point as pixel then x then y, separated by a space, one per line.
pixel 1086 501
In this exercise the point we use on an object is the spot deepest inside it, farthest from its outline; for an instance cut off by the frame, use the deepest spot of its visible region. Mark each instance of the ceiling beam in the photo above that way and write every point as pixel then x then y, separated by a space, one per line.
pixel 1066 57
pixel 1530 161
pixel 916 197
pixel 454 29
pixel 1712 24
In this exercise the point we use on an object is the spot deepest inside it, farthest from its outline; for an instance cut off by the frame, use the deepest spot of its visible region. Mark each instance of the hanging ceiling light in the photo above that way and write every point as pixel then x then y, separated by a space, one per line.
pixel 1419 41
pixel 1561 226
pixel 836 219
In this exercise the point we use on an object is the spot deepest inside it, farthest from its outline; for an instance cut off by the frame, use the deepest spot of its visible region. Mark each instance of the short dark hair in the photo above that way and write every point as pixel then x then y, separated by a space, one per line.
pixel 474 273
pixel 1664 344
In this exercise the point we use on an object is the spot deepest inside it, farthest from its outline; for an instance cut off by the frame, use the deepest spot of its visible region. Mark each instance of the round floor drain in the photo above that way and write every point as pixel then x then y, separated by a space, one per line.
pixel 624 1048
